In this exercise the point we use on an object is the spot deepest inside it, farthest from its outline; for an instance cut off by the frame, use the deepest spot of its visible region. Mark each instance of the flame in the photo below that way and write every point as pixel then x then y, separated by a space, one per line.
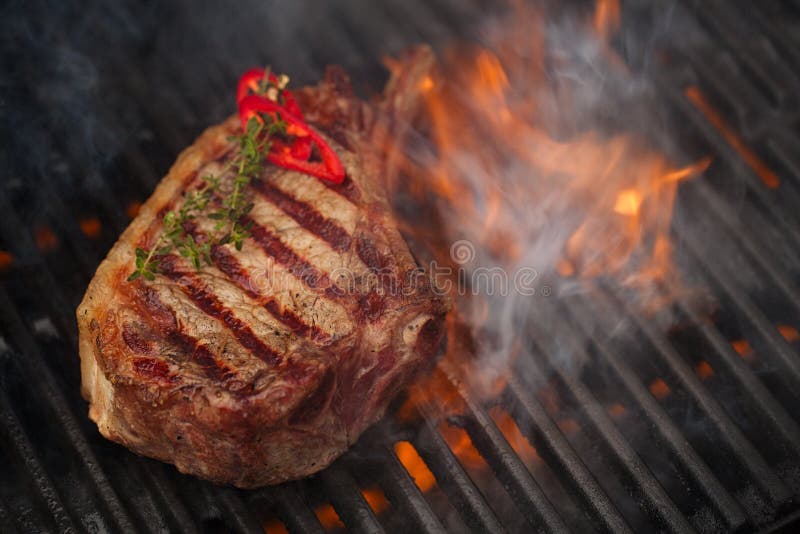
pixel 512 433
pixel 503 174
pixel 432 389
pixel 415 465
pixel 763 171
pixel 606 18
pixel 513 163
pixel 460 443
pixel 628 202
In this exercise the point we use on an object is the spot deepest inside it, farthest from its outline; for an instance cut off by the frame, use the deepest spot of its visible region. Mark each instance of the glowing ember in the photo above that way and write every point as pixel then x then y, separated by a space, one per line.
pixel 328 517
pixel 616 410
pixel 376 499
pixel 568 426
pixel 415 465
pixel 90 226
pixel 743 348
pixel 659 389
pixel 133 209
pixel 6 260
pixel 789 333
pixel 274 526
pixel 45 239
pixel 704 370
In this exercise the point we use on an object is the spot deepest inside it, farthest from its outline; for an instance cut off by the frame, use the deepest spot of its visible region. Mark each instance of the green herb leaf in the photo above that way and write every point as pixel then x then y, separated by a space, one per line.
pixel 226 191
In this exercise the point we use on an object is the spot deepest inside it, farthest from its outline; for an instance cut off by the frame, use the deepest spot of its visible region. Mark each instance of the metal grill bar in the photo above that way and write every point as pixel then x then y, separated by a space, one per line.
pixel 454 481
pixel 722 148
pixel 656 502
pixel 784 355
pixel 490 442
pixel 12 428
pixel 6 522
pixel 168 495
pixel 672 436
pixel 52 291
pixel 728 26
pixel 556 450
pixel 348 501
pixel 46 384
pixel 757 250
pixel 238 515
pixel 402 491
pixel 292 509
pixel 163 501
pixel 769 408
pixel 746 453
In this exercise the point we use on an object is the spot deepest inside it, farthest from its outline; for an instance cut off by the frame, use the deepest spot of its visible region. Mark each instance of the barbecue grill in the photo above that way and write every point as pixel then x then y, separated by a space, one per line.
pixel 695 429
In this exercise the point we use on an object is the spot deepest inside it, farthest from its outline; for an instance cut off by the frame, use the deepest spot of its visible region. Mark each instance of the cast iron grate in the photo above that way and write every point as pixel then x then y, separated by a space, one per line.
pixel 697 430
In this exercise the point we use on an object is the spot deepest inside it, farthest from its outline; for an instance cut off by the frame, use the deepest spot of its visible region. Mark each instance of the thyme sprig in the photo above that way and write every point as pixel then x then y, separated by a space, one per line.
pixel 254 145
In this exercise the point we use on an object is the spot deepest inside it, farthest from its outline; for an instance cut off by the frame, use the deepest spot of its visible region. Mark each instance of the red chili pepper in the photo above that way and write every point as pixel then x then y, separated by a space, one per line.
pixel 295 155
pixel 250 81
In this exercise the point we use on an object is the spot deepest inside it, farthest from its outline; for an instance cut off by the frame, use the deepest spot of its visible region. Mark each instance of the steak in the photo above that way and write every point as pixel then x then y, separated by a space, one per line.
pixel 269 363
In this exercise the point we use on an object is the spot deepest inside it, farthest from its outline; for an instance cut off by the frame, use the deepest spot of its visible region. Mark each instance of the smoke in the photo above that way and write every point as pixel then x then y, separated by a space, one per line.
pixel 552 156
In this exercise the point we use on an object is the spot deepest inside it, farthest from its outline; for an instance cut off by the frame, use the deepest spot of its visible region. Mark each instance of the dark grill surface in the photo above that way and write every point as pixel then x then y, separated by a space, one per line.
pixel 692 431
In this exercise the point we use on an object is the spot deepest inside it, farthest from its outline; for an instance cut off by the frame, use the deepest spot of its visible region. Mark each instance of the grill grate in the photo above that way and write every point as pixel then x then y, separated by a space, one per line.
pixel 696 431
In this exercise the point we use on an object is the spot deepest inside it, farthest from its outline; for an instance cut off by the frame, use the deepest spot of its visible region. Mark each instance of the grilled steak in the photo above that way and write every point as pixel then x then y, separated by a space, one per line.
pixel 267 364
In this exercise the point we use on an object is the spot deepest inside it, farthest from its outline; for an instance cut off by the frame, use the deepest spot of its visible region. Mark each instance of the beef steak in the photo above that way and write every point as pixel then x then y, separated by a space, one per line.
pixel 266 365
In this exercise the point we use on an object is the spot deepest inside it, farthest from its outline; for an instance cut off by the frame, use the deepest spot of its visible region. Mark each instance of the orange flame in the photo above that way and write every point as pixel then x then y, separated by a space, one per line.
pixel 512 433
pixel 460 443
pixel 606 17
pixel 498 153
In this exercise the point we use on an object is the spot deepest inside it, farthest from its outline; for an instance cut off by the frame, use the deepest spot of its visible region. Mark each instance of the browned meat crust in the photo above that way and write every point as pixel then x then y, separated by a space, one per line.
pixel 267 365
